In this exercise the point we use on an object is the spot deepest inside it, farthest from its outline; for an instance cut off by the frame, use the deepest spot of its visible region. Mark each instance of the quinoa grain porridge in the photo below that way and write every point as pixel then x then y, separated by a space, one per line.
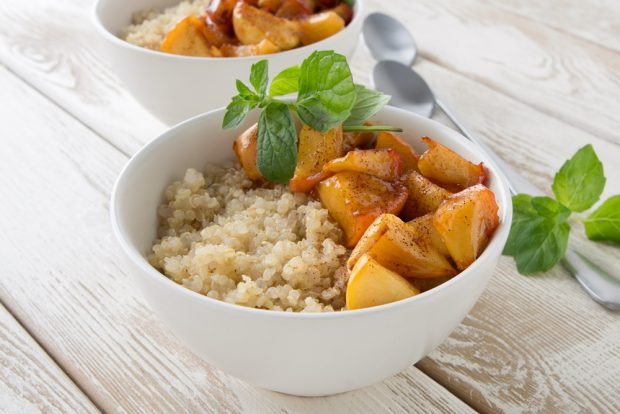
pixel 259 246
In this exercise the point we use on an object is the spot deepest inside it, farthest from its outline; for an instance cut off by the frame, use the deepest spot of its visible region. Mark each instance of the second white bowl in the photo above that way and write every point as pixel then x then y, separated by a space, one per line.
pixel 174 87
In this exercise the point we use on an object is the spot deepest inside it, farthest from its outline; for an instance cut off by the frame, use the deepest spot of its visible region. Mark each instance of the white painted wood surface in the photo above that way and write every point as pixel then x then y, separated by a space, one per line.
pixel 31 380
pixel 535 80
pixel 65 280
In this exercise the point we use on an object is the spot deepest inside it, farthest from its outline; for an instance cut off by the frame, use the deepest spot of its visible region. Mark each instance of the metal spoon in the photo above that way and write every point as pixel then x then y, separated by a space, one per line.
pixel 410 91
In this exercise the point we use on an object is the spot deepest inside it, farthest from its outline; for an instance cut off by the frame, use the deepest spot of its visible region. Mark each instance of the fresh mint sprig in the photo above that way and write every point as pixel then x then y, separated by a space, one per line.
pixel 326 98
pixel 540 226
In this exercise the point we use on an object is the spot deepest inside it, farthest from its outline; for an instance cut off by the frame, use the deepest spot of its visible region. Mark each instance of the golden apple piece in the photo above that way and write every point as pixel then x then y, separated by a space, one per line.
pixel 371 284
pixel 444 166
pixel 356 199
pixel 245 149
pixel 293 9
pixel 403 249
pixel 252 25
pixel 427 284
pixel 358 140
pixel 186 38
pixel 466 221
pixel 265 47
pixel 314 151
pixel 387 139
pixel 424 196
pixel 425 226
pixel 344 11
pixel 384 163
pixel 319 26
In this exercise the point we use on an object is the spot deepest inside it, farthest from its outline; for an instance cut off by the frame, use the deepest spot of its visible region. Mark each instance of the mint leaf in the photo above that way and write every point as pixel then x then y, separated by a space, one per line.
pixel 326 90
pixel 539 233
pixel 367 103
pixel 259 76
pixel 277 143
pixel 604 223
pixel 236 111
pixel 244 90
pixel 580 182
pixel 285 82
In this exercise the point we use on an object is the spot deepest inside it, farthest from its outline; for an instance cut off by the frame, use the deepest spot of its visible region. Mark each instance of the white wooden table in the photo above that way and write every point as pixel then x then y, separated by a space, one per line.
pixel 535 79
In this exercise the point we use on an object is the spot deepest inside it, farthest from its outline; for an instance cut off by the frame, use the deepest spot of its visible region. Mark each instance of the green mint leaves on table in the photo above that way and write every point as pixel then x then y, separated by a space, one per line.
pixel 540 226
pixel 326 98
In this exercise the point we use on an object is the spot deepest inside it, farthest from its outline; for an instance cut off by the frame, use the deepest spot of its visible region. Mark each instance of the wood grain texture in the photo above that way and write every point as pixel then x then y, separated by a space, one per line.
pixel 54 47
pixel 64 281
pixel 599 22
pixel 30 381
pixel 532 92
pixel 563 76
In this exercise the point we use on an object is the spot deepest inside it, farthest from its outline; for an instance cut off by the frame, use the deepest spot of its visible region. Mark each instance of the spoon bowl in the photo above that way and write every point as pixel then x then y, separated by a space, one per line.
pixel 407 88
pixel 388 39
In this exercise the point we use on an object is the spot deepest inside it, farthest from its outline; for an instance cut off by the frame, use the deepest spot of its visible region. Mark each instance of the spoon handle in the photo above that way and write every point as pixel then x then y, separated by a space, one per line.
pixel 601 286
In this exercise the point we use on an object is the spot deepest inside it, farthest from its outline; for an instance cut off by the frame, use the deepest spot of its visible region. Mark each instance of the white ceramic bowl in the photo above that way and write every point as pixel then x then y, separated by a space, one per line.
pixel 174 87
pixel 294 353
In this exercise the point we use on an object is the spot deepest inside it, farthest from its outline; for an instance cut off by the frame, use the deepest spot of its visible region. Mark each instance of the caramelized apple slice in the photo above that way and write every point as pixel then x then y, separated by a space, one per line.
pixel 371 284
pixel 466 221
pixel 444 166
pixel 293 9
pixel 345 11
pixel 186 38
pixel 424 196
pixel 384 163
pixel 426 228
pixel 407 153
pixel 215 34
pixel 253 25
pixel 402 248
pixel 319 26
pixel 265 47
pixel 427 284
pixel 355 200
pixel 314 151
pixel 245 150
pixel 358 140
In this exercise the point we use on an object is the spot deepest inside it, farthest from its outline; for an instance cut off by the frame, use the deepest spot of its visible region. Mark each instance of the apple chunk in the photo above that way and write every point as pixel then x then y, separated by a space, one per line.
pixel 187 38
pixel 466 221
pixel 319 26
pixel 408 250
pixel 384 163
pixel 314 151
pixel 245 149
pixel 442 165
pixel 424 196
pixel 253 25
pixel 407 153
pixel 371 284
pixel 356 199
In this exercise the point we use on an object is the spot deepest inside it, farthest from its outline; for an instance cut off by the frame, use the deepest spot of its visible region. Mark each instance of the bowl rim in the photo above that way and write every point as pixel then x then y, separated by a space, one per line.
pixel 95 17
pixel 138 259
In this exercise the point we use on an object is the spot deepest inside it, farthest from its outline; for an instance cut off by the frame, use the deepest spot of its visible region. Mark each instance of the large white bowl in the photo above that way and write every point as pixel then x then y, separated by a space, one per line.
pixel 294 353
pixel 173 87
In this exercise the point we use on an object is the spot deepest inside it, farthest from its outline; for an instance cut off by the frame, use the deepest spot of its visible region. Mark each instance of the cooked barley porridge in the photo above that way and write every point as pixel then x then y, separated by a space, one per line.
pixel 264 247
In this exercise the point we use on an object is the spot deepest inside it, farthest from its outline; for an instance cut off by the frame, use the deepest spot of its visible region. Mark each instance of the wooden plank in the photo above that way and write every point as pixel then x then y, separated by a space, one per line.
pixel 63 61
pixel 30 381
pixel 63 278
pixel 565 77
pixel 597 21
pixel 536 143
